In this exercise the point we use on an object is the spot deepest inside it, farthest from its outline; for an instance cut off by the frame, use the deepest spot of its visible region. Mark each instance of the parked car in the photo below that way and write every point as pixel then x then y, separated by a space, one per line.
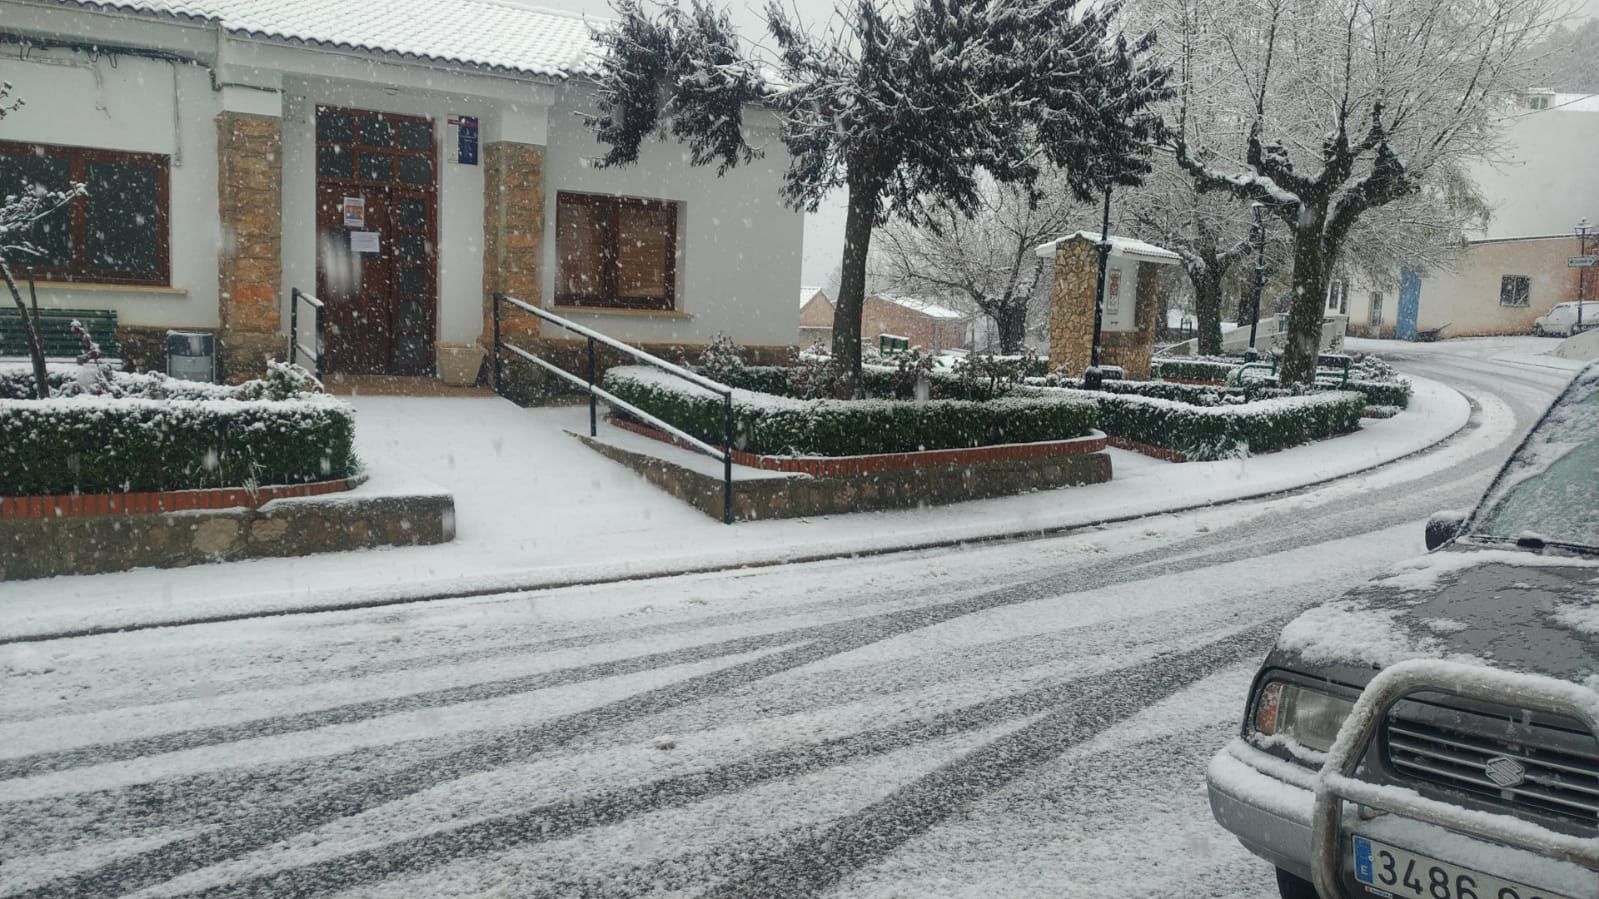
pixel 1561 321
pixel 1432 733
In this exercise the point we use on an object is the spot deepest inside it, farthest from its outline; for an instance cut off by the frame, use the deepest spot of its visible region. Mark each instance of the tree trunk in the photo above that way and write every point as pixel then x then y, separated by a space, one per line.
pixel 1207 309
pixel 858 223
pixel 41 382
pixel 1305 306
pixel 1012 327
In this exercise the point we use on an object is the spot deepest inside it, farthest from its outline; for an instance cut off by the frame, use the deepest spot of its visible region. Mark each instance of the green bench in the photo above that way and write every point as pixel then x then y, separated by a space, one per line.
pixel 55 326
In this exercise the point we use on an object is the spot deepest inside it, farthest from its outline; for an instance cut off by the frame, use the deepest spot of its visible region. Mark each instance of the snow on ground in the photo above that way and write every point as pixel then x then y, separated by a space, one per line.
pixel 484 746
pixel 1008 719
pixel 534 506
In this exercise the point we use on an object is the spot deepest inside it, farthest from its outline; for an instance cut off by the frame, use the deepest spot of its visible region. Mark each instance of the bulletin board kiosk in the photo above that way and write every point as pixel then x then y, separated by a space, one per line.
pixel 1132 302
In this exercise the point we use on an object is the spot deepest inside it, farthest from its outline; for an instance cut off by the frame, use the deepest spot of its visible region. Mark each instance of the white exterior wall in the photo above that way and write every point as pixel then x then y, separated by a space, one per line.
pixel 739 247
pixel 1466 298
pixel 1548 181
pixel 74 101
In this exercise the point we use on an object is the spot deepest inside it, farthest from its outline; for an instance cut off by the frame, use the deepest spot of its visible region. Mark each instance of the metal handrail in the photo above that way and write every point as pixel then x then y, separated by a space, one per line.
pixel 295 347
pixel 723 454
pixel 1336 783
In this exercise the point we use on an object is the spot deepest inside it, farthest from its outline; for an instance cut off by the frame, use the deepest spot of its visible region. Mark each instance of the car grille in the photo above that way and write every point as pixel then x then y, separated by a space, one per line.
pixel 1560 784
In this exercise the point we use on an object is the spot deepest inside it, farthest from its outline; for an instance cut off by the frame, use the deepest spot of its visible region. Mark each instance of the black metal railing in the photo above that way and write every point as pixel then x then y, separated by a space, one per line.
pixel 296 348
pixel 723 454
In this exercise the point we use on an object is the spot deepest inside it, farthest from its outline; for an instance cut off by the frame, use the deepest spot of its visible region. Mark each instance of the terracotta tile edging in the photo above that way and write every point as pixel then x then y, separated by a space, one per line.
pixel 88 505
pixel 838 466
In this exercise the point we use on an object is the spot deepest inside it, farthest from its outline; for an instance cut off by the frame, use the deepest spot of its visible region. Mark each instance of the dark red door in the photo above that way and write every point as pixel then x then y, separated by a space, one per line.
pixel 353 280
pixel 377 262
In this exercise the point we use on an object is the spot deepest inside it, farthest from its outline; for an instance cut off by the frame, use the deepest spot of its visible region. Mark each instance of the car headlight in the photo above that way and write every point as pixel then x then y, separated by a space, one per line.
pixel 1303 714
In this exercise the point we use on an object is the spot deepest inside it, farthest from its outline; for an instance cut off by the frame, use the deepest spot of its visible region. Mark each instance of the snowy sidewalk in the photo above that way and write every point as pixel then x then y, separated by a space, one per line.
pixel 534 507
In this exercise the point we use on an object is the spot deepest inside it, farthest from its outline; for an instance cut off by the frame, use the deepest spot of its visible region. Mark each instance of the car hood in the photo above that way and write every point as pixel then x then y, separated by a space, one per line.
pixel 1512 609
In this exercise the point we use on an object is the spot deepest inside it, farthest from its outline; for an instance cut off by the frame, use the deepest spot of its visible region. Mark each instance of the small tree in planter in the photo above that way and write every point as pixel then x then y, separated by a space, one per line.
pixel 18 214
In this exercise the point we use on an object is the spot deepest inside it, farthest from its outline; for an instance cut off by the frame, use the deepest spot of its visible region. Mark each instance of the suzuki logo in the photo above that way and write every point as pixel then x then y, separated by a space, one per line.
pixel 1506 772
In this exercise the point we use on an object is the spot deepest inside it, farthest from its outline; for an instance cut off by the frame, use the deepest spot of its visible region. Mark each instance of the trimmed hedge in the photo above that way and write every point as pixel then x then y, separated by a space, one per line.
pixel 879 382
pixel 776 425
pixel 1205 433
pixel 1192 369
pixel 1375 379
pixel 157 433
pixel 99 445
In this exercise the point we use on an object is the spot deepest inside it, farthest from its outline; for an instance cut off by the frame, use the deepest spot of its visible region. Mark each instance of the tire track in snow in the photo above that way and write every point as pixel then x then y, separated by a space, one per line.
pixel 1078 708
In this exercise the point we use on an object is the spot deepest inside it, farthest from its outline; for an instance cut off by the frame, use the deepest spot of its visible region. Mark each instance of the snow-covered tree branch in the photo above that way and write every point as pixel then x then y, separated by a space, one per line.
pixel 902 107
pixel 1335 109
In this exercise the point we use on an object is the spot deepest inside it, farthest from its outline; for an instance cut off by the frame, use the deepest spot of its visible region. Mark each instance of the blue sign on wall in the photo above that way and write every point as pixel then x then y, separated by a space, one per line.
pixel 465 139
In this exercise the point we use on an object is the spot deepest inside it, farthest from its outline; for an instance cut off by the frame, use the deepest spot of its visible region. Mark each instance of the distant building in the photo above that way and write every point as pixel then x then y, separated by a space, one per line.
pixel 925 324
pixel 816 317
pixel 1516 269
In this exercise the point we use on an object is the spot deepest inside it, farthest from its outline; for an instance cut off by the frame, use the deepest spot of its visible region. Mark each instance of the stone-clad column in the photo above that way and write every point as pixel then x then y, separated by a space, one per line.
pixel 513 230
pixel 1071 306
pixel 250 264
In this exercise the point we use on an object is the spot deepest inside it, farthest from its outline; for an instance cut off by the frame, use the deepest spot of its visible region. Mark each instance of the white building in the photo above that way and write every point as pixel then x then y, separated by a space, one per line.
pixel 403 160
pixel 1515 270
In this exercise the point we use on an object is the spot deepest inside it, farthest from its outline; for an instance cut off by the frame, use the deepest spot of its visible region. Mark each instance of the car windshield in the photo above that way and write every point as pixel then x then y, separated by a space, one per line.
pixel 1550 489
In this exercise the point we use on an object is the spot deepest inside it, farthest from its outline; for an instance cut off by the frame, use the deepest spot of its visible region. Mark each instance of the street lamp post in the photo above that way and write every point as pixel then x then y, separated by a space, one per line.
pixel 1582 273
pixel 1251 354
pixel 1092 376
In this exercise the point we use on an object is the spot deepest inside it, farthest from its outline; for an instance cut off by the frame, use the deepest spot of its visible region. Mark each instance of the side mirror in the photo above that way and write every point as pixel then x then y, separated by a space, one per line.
pixel 1443 527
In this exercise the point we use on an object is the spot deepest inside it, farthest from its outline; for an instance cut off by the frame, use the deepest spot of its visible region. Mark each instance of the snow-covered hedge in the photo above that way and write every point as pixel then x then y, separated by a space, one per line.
pixel 1193 369
pixel 164 434
pixel 775 425
pixel 1202 433
pixel 1381 385
pixel 879 382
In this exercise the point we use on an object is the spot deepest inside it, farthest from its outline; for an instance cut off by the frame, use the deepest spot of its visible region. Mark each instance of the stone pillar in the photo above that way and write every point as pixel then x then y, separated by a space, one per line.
pixel 250 265
pixel 1071 306
pixel 513 230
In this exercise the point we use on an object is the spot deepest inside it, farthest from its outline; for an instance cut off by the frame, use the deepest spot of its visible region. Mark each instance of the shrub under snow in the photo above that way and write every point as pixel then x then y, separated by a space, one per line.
pixel 777 425
pixel 158 433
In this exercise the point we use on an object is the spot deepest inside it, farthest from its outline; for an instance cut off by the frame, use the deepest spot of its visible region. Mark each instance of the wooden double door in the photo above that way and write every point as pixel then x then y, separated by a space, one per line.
pixel 377 240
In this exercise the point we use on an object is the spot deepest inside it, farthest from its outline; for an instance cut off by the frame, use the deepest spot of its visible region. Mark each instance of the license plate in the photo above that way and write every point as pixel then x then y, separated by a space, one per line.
pixel 1390 871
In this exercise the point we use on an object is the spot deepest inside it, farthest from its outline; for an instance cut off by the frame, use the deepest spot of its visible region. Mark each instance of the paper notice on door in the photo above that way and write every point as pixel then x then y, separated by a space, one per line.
pixel 363 241
pixel 354 212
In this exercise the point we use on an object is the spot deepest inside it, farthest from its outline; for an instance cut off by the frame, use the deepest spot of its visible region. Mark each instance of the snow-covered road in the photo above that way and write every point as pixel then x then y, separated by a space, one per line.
pixel 1007 720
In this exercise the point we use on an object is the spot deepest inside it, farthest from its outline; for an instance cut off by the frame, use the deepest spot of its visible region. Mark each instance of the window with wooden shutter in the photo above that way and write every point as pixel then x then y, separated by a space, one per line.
pixel 117 234
pixel 615 251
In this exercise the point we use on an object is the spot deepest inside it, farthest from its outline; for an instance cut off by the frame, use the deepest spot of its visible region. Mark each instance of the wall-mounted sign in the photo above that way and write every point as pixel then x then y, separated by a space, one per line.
pixel 465 138
pixel 354 212
pixel 363 241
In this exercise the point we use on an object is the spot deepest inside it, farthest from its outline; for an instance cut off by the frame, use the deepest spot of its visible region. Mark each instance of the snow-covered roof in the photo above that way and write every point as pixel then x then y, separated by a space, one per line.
pixel 809 293
pixel 1120 246
pixel 487 33
pixel 1575 102
pixel 931 310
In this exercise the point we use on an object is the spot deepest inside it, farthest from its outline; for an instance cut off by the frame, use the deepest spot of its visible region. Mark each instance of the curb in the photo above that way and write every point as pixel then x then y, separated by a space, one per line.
pixel 537 586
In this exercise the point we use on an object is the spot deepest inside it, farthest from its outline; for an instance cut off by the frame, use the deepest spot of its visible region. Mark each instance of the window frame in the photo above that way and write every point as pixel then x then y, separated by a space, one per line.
pixel 1374 309
pixel 1524 282
pixel 610 275
pixel 78 270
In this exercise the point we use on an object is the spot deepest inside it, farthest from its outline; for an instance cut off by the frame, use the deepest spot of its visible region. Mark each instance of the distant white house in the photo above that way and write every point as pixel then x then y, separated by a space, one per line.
pixel 1515 270
pixel 401 159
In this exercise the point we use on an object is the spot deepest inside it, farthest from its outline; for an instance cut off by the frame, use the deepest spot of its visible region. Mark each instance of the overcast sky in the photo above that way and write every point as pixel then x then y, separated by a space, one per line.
pixel 824 231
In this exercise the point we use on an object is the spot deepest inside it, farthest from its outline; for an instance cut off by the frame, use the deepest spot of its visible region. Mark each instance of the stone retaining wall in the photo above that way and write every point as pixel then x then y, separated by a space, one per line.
pixel 800 495
pixel 44 547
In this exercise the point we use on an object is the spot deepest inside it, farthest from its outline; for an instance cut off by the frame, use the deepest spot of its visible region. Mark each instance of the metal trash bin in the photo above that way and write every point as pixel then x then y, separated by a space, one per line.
pixel 191 355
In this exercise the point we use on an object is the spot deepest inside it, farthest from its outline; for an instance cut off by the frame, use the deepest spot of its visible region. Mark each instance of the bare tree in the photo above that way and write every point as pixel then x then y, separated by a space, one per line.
pixel 986 258
pixel 18 214
pixel 1345 106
